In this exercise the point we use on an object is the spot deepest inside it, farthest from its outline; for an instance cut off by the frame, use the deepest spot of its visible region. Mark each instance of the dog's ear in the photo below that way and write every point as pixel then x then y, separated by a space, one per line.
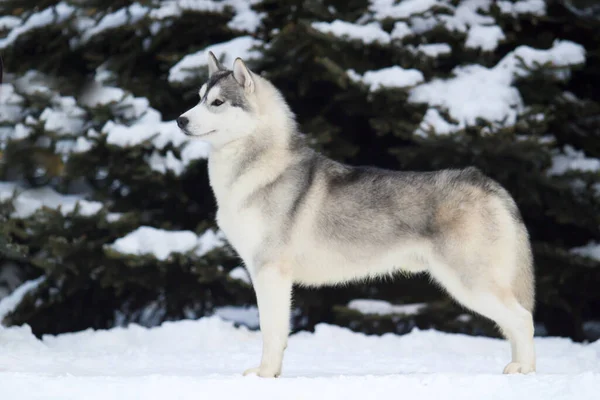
pixel 213 64
pixel 243 76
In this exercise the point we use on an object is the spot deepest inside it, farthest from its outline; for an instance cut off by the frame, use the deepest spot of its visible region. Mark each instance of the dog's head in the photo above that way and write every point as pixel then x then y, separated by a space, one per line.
pixel 227 107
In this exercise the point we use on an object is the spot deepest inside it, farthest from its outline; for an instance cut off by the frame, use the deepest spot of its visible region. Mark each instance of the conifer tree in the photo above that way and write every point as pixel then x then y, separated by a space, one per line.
pixel 92 88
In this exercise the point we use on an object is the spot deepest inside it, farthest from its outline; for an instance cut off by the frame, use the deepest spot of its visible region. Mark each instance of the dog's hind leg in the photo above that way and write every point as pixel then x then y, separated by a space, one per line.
pixel 501 306
pixel 273 287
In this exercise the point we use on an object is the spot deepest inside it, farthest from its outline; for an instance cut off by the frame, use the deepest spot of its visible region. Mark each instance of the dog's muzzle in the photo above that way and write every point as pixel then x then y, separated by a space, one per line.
pixel 182 123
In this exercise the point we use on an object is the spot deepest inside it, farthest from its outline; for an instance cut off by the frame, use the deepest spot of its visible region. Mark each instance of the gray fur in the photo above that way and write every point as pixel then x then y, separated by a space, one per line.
pixel 251 154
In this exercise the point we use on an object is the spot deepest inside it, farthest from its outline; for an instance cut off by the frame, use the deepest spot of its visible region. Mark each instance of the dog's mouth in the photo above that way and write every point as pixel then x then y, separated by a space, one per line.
pixel 188 133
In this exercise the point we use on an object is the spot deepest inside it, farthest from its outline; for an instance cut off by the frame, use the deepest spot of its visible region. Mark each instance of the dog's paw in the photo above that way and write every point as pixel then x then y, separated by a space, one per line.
pixel 262 372
pixel 518 368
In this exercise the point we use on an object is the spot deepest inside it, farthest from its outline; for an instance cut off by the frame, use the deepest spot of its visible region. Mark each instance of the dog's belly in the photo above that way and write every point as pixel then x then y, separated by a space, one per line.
pixel 319 264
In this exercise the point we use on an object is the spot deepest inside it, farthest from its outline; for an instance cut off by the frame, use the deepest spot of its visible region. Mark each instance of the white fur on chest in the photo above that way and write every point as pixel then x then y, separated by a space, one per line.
pixel 244 225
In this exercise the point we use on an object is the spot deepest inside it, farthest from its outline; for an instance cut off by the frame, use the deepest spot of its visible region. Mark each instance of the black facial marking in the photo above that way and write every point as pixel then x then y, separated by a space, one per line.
pixel 213 80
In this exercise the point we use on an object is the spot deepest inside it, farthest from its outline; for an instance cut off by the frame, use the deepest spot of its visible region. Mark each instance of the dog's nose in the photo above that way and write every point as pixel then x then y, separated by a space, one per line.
pixel 182 122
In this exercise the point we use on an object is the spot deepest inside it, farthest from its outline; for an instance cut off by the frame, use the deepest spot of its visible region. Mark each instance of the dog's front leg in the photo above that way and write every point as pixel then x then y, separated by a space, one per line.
pixel 273 287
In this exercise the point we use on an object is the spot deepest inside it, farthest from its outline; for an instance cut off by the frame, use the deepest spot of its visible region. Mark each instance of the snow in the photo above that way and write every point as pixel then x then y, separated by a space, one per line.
pixel 35 83
pixel 227 52
pixel 392 77
pixel 247 316
pixel 194 149
pixel 485 38
pixel 160 243
pixel 591 250
pixel 82 145
pixel 240 274
pixel 478 92
pixel 150 127
pixel 573 160
pixel 563 53
pixel 10 103
pixel 10 302
pixel 27 202
pixel 207 356
pixel 9 22
pixel 20 132
pixel 166 163
pixel 7 190
pixel 466 15
pixel 209 241
pixel 245 19
pixel 417 17
pixel 128 15
pixel 49 16
pixel 174 8
pixel 434 49
pixel 381 307
pixel 534 7
pixel 369 33
pixel 64 118
pixel 400 30
pixel 102 95
pixel 398 10
pixel 434 123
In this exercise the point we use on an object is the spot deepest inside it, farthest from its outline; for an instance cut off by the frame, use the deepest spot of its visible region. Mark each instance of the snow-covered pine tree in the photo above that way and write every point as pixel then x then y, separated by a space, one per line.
pixel 507 86
pixel 109 202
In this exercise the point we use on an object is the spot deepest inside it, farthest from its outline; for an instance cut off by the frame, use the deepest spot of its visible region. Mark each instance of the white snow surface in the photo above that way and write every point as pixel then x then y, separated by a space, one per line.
pixel 160 243
pixel 591 250
pixel 227 52
pixel 381 307
pixel 369 33
pixel 247 316
pixel 205 358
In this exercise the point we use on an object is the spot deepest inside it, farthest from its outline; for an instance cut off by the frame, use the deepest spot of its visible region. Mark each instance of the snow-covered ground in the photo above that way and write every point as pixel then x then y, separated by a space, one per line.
pixel 204 359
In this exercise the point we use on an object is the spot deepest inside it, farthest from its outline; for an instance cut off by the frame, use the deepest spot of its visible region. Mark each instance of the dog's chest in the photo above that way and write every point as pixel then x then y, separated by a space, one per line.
pixel 244 222
pixel 243 228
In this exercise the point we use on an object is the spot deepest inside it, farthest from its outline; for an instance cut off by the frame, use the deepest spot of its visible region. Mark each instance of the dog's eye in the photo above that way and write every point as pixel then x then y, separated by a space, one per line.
pixel 216 103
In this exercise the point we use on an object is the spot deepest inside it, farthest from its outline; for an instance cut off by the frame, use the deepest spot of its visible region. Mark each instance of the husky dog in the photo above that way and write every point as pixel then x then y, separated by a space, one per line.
pixel 297 217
